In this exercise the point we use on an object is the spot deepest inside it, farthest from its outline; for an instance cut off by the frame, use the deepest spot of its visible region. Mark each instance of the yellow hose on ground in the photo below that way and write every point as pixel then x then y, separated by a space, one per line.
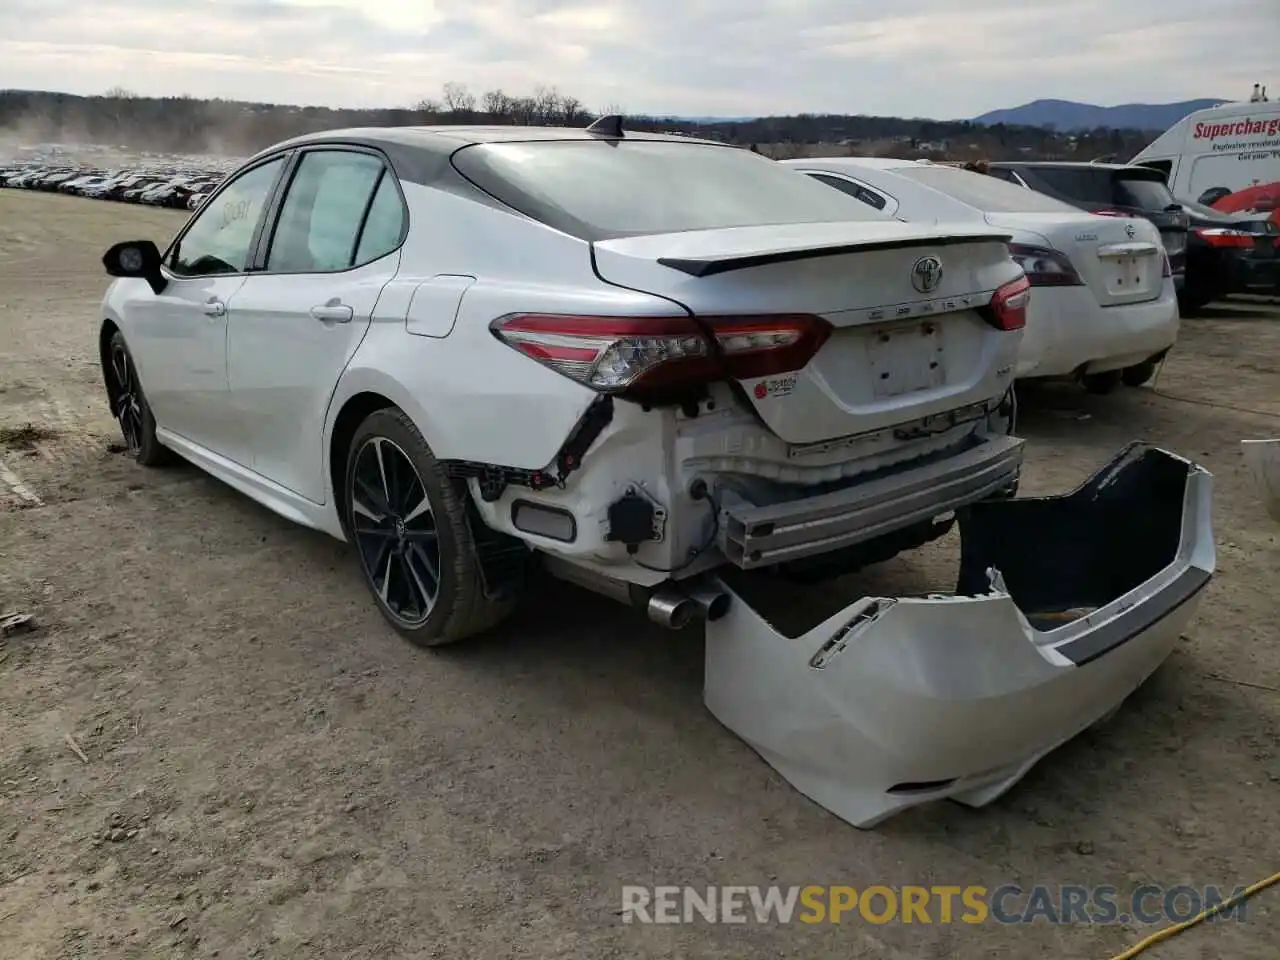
pixel 1161 935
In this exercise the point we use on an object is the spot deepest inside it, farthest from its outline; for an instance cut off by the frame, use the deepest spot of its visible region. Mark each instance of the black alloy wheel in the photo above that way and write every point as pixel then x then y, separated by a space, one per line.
pixel 395 533
pixel 126 405
pixel 129 405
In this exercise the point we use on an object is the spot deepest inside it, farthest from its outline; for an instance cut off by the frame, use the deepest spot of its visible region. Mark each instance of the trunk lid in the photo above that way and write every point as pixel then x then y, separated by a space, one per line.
pixel 1118 258
pixel 902 345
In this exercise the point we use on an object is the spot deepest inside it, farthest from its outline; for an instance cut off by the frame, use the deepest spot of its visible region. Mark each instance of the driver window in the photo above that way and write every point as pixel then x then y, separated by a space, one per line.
pixel 219 238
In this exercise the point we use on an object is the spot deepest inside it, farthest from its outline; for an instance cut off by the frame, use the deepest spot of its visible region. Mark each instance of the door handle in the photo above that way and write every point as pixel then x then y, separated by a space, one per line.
pixel 335 311
pixel 214 307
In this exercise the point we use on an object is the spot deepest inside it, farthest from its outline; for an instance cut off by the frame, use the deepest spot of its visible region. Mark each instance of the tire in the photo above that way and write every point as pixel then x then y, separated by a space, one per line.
pixel 1101 383
pixel 1139 373
pixel 399 542
pixel 129 406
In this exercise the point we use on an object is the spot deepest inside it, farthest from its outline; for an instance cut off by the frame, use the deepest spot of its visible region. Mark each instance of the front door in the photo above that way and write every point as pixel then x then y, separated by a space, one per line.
pixel 296 322
pixel 179 337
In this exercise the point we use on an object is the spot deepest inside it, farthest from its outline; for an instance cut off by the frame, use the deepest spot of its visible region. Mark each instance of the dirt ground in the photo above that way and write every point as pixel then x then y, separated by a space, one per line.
pixel 269 771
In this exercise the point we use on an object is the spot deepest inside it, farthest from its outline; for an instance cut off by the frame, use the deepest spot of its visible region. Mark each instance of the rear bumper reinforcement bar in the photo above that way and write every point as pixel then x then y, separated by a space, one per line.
pixel 752 536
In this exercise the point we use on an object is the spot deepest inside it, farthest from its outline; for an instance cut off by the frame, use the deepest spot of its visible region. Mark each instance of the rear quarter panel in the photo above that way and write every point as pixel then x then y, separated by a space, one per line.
pixel 473 397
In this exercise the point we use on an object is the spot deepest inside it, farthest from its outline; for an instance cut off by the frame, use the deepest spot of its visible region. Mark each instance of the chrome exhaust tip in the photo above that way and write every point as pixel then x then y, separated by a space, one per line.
pixel 671 607
pixel 712 602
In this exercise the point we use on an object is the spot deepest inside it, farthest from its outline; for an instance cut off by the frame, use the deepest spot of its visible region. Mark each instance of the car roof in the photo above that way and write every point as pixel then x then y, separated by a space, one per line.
pixel 421 154
pixel 450 138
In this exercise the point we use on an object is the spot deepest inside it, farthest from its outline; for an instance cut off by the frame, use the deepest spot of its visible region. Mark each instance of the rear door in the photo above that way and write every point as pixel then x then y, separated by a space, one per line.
pixel 300 316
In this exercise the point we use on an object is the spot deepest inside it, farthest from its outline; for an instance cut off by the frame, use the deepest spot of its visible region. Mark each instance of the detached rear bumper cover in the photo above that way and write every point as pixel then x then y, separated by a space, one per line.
pixel 893 702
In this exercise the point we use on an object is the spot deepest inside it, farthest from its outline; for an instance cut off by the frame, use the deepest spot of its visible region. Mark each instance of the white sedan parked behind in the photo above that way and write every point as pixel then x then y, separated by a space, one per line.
pixel 638 359
pixel 1105 308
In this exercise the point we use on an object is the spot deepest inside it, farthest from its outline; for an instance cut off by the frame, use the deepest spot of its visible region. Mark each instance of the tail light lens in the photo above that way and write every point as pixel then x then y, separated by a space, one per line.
pixel 1109 213
pixel 752 347
pixel 1045 267
pixel 1008 307
pixel 648 355
pixel 1166 265
pixel 1225 237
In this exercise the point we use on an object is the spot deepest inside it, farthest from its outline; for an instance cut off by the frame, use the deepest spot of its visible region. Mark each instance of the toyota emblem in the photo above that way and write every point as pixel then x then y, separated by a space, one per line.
pixel 926 274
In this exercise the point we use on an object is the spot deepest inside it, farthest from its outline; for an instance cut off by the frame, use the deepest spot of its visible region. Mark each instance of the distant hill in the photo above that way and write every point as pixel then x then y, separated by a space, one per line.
pixel 1066 116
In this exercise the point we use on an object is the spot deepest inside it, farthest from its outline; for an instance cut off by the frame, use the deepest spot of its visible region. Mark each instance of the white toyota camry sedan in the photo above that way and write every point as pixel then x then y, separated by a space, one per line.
pixel 637 361
pixel 1104 309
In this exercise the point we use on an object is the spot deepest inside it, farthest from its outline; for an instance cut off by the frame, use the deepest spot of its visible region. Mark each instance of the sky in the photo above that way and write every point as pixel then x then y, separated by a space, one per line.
pixel 913 58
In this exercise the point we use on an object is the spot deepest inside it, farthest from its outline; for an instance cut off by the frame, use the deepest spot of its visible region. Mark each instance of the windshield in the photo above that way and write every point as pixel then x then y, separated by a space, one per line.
pixel 600 189
pixel 988 194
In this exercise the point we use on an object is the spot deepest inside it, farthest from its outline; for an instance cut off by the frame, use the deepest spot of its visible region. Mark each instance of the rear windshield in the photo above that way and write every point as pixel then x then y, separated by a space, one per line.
pixel 1145 194
pixel 985 193
pixel 600 189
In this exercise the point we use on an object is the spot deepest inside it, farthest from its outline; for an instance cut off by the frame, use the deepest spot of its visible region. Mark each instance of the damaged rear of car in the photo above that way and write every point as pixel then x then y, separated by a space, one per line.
pixel 839 393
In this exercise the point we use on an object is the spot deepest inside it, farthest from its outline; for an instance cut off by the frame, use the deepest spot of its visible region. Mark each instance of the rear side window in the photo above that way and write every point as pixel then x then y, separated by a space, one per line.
pixel 855 190
pixel 982 192
pixel 385 223
pixel 1144 194
pixel 323 212
pixel 600 189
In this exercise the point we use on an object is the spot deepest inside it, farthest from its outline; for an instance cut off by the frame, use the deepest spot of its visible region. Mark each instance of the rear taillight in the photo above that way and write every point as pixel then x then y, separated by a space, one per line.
pixel 1008 307
pixel 1044 267
pixel 1224 237
pixel 655 355
pixel 1166 267
pixel 752 347
pixel 1109 213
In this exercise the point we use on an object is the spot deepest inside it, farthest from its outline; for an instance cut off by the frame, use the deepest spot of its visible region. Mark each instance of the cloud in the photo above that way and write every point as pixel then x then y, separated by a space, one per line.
pixel 937 58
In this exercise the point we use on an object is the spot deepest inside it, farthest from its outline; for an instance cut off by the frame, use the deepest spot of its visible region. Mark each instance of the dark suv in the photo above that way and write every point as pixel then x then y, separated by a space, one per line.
pixel 1114 189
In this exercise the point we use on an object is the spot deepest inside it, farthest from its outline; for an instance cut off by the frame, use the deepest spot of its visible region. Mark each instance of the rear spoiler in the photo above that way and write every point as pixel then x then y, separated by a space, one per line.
pixel 711 265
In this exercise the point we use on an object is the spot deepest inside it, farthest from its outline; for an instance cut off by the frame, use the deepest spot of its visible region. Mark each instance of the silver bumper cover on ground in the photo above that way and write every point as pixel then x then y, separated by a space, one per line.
pixel 752 536
pixel 1064 606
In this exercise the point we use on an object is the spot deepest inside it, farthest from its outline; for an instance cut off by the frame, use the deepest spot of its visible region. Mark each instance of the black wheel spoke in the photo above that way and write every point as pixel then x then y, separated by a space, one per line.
pixel 422 590
pixel 428 564
pixel 377 507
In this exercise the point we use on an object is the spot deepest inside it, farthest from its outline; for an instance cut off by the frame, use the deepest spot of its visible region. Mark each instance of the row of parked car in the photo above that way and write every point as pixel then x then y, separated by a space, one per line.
pixel 178 187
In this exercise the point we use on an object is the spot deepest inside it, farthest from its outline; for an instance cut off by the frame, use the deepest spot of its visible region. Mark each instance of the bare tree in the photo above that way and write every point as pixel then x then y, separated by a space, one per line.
pixel 571 109
pixel 496 104
pixel 546 103
pixel 458 100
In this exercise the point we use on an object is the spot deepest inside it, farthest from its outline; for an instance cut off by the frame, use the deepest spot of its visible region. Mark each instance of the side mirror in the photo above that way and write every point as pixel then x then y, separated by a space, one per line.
pixel 136 258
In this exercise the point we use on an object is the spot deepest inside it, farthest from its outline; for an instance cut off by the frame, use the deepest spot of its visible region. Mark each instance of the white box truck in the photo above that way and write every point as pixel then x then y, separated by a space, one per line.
pixel 1226 157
